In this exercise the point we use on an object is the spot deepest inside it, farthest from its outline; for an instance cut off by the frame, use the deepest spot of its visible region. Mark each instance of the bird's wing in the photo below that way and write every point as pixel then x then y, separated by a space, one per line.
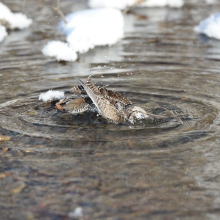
pixel 92 91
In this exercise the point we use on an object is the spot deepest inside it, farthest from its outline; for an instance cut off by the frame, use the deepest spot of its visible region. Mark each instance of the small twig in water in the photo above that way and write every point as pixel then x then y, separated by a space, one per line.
pixel 58 10
pixel 24 2
pixel 137 2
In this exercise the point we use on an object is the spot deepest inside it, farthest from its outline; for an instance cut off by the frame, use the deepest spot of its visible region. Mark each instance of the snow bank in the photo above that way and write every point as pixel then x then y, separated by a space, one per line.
pixel 162 3
pixel 51 95
pixel 60 50
pixel 93 27
pixel 3 33
pixel 14 20
pixel 119 4
pixel 210 26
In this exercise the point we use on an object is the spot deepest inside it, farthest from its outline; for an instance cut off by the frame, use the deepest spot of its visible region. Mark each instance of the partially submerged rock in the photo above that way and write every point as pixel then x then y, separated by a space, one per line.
pixel 4 138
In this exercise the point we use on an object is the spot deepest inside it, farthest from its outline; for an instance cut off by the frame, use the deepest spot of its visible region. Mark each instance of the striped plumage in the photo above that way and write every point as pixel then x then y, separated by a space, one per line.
pixel 110 104
pixel 113 105
pixel 79 105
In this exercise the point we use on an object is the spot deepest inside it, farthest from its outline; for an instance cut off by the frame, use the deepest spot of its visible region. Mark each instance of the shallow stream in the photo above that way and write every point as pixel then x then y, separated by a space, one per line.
pixel 55 162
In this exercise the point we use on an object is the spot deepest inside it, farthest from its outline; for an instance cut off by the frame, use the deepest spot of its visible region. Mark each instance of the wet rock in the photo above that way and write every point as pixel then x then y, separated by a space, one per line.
pixel 19 188
pixel 4 138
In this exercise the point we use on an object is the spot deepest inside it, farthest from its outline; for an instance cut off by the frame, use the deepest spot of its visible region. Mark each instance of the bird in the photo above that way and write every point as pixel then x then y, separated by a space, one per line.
pixel 110 104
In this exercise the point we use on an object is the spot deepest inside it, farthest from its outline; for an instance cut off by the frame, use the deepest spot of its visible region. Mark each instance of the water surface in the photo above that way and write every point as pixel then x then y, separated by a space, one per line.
pixel 55 162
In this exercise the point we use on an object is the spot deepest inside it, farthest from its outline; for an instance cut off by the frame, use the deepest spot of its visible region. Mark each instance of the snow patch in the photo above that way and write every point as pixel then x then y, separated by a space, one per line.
pixel 77 213
pixel 60 50
pixel 3 33
pixel 93 27
pixel 210 26
pixel 14 20
pixel 51 95
pixel 86 29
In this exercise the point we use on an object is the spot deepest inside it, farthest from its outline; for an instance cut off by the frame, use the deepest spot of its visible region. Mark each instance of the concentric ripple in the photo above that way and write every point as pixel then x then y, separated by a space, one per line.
pixel 172 119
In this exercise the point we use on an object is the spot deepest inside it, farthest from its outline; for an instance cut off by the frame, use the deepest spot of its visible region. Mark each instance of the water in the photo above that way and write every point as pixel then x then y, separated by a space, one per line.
pixel 55 162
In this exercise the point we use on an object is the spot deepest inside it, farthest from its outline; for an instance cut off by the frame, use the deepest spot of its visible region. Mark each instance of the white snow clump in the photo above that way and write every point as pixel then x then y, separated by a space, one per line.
pixel 51 95
pixel 93 27
pixel 86 29
pixel 210 26
pixel 77 213
pixel 14 20
pixel 60 50
pixel 3 33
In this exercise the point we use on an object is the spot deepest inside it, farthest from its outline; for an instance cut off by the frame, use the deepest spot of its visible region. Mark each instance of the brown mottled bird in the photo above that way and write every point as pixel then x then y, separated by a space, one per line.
pixel 110 104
